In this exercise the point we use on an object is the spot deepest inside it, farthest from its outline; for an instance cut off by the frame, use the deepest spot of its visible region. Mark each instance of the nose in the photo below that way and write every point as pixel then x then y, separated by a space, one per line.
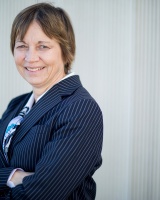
pixel 31 55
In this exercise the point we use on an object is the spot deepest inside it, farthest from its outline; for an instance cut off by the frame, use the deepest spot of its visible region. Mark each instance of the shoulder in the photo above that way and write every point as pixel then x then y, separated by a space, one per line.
pixel 15 102
pixel 81 94
pixel 82 102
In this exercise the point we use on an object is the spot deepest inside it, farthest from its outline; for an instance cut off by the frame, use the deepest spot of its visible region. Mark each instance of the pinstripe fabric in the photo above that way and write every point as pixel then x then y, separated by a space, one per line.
pixel 60 140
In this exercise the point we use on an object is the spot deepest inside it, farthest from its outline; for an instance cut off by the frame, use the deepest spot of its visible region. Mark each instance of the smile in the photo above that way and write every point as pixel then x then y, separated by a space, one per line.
pixel 34 69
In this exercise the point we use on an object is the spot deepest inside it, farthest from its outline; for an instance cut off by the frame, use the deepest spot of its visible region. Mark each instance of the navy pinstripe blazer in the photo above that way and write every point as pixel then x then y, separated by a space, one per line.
pixel 60 140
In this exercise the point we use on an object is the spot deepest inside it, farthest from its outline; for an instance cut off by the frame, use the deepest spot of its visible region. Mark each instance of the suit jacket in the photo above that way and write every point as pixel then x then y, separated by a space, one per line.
pixel 60 140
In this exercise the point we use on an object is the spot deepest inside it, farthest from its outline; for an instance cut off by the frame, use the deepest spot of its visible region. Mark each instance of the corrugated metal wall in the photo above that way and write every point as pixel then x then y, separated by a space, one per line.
pixel 118 46
pixel 145 149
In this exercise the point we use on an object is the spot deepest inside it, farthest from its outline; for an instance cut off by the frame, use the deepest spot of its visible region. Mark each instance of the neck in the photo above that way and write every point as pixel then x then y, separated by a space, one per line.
pixel 38 91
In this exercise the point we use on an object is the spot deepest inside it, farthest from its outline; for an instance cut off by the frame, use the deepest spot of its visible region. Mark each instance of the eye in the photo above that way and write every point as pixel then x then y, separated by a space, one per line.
pixel 21 47
pixel 43 47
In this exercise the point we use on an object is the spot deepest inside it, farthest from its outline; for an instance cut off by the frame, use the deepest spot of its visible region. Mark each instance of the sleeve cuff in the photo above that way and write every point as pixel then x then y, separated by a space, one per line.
pixel 10 183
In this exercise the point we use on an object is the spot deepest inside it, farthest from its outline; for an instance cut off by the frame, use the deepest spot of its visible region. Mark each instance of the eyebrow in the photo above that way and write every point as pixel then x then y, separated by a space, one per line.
pixel 39 42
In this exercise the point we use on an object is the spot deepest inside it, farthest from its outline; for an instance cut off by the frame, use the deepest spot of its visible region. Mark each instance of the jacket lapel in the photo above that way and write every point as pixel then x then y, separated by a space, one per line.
pixel 11 115
pixel 47 102
pixel 38 110
pixel 5 123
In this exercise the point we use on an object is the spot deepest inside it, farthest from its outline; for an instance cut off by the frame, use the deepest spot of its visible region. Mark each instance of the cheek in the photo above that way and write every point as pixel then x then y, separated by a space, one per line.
pixel 18 58
pixel 53 58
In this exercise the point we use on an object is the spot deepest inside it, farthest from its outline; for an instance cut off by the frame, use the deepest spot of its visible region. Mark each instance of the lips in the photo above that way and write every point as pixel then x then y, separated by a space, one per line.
pixel 31 69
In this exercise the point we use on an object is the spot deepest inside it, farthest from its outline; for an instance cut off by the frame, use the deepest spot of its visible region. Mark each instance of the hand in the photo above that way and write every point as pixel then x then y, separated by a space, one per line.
pixel 18 176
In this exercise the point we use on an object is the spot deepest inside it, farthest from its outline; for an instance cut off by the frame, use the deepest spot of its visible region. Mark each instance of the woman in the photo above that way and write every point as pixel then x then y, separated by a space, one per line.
pixel 51 138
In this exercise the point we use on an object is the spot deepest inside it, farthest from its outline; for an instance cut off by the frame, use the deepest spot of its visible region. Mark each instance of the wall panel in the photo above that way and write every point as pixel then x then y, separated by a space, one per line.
pixel 146 97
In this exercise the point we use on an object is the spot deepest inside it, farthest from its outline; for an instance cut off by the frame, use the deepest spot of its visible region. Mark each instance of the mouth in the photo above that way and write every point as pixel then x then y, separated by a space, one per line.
pixel 34 69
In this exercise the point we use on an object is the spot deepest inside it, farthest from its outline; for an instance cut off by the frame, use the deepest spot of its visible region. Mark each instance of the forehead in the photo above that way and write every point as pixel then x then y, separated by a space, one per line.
pixel 34 32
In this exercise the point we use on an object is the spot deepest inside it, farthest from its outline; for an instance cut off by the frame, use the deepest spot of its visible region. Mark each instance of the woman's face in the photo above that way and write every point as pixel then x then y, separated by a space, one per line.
pixel 38 58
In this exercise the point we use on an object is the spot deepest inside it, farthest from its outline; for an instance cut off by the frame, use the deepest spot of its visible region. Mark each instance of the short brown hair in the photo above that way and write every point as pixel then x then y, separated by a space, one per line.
pixel 55 23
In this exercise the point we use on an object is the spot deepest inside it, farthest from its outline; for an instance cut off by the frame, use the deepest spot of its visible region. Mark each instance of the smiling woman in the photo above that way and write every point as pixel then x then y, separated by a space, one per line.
pixel 39 59
pixel 50 138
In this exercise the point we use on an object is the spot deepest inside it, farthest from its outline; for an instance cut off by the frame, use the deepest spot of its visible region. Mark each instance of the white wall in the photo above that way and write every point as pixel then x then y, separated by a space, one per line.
pixel 118 45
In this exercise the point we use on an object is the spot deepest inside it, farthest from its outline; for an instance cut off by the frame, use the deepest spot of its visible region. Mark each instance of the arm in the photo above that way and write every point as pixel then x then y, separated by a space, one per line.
pixel 71 155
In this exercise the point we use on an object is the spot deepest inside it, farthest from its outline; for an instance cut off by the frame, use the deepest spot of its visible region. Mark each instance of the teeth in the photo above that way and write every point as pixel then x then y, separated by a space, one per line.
pixel 34 69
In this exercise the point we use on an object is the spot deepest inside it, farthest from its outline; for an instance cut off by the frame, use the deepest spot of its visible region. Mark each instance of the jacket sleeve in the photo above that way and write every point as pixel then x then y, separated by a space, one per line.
pixel 73 153
pixel 4 174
